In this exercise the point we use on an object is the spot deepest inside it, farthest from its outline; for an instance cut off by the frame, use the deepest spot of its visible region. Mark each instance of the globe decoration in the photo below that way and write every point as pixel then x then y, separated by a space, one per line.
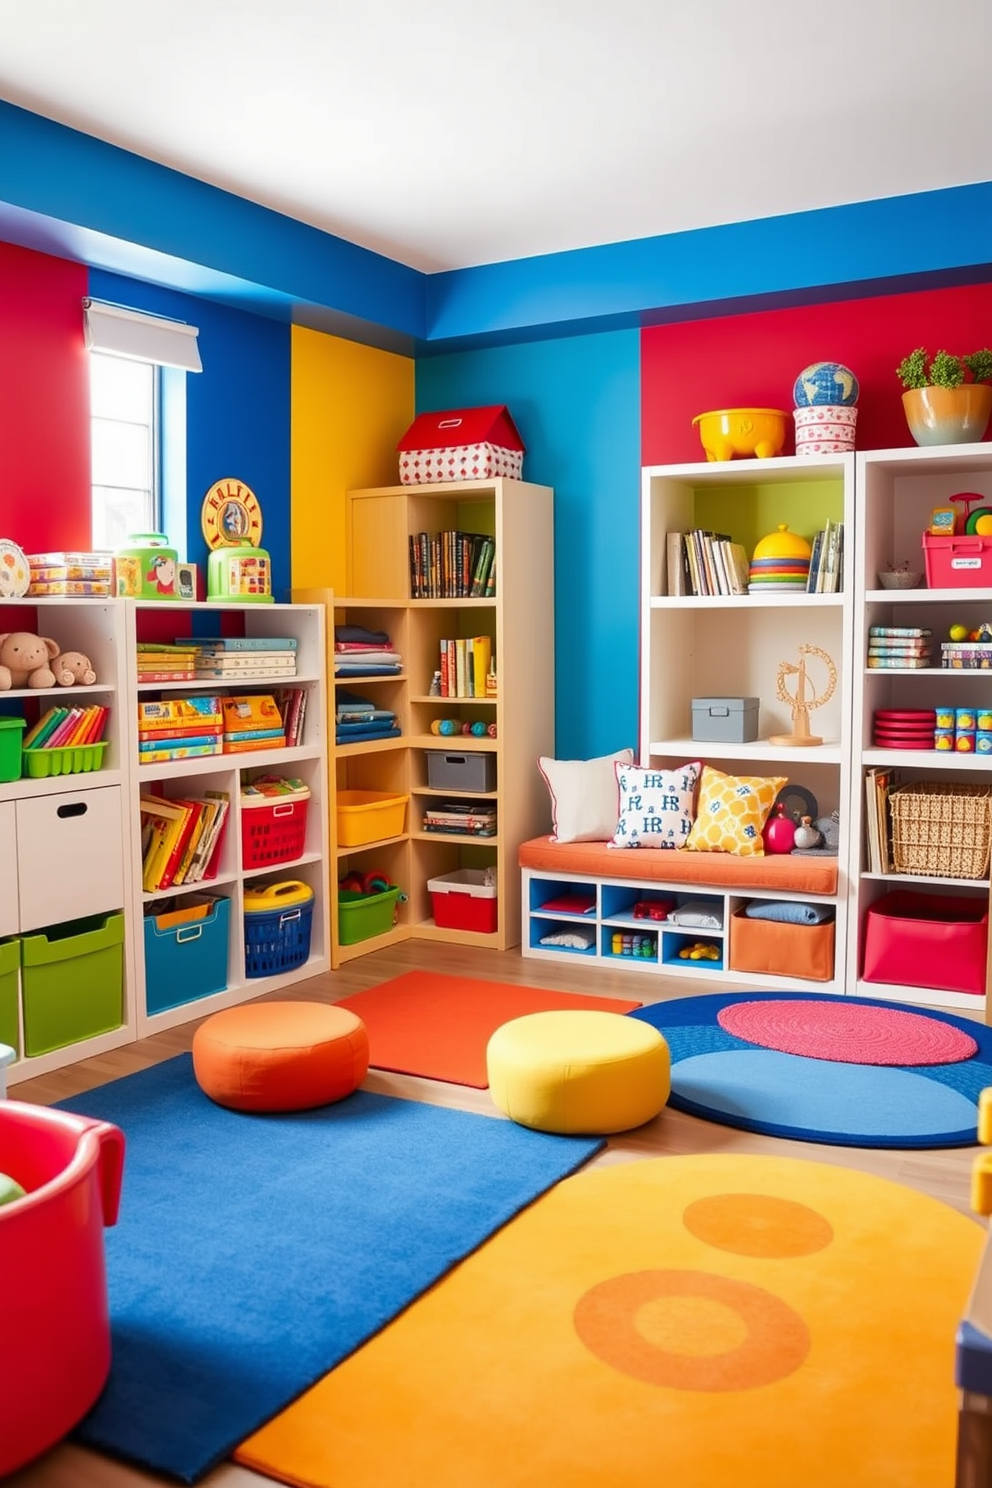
pixel 825 383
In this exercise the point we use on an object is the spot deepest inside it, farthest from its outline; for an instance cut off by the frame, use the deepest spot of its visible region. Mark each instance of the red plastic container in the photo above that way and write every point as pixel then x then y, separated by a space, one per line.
pixel 55 1351
pixel 274 833
pixel 927 940
pixel 464 901
pixel 957 562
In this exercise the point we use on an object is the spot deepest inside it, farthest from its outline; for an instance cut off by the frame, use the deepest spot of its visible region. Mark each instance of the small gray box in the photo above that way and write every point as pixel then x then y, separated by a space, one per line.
pixel 452 770
pixel 725 720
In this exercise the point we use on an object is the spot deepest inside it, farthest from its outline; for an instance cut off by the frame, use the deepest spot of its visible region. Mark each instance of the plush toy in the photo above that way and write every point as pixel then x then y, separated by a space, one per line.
pixel 73 669
pixel 25 660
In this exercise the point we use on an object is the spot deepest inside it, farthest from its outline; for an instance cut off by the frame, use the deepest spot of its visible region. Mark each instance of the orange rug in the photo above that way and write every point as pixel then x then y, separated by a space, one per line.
pixel 689 1320
pixel 423 1023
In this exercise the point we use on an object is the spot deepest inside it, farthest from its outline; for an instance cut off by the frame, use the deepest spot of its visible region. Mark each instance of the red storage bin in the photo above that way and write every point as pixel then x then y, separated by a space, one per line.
pixel 927 940
pixel 462 900
pixel 963 562
pixel 273 833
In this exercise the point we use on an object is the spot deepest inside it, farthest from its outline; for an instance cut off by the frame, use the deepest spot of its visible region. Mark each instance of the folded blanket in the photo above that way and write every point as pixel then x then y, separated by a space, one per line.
pixel 789 912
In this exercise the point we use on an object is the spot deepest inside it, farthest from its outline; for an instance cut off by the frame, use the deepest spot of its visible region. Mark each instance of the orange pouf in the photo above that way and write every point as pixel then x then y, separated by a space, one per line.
pixel 280 1056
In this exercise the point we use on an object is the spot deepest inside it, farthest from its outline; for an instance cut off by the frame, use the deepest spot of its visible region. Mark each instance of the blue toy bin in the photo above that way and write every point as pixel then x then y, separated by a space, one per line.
pixel 278 921
pixel 185 950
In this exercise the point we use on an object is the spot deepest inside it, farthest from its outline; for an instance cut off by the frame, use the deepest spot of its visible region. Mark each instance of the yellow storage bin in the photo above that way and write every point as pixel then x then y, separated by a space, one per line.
pixel 369 816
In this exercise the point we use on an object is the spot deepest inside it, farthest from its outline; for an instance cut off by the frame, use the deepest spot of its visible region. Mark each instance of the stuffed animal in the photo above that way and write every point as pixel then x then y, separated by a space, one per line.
pixel 73 669
pixel 25 660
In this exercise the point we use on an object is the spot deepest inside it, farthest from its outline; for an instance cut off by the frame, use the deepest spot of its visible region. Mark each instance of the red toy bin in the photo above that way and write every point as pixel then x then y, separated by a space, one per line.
pixel 957 562
pixel 462 900
pixel 273 832
pixel 927 940
pixel 55 1356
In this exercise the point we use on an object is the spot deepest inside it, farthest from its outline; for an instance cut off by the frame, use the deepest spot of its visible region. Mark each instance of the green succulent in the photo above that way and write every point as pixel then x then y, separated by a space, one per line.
pixel 945 370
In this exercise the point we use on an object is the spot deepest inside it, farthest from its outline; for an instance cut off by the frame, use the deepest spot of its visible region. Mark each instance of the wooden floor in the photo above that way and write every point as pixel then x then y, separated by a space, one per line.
pixel 945 1175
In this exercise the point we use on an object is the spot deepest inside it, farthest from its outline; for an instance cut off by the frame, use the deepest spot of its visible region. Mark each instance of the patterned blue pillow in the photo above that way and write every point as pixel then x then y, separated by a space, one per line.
pixel 656 806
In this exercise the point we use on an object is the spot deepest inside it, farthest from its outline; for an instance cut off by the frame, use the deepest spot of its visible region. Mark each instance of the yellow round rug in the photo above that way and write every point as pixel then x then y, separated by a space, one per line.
pixel 689 1320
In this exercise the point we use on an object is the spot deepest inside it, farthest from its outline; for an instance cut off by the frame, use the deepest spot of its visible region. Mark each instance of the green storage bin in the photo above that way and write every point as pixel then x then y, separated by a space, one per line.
pixel 72 982
pixel 11 735
pixel 10 960
pixel 363 915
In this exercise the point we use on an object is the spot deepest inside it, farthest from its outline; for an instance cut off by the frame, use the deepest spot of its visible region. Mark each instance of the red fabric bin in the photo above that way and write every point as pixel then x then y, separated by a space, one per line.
pixel 927 940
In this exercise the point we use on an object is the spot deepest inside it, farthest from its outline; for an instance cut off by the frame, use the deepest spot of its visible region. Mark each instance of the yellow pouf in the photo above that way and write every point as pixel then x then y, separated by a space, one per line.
pixel 573 1072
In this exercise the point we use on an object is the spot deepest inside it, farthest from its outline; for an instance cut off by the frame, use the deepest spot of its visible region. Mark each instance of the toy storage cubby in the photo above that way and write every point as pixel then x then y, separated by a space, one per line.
pixel 518 621
pixel 67 948
pixel 236 870
pixel 898 490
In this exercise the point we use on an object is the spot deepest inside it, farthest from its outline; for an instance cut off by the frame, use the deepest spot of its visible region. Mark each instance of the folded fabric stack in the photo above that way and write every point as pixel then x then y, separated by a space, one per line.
pixel 359 652
pixel 357 719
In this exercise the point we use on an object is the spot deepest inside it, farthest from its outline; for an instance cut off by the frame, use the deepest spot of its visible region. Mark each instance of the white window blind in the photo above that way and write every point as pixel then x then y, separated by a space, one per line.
pixel 139 337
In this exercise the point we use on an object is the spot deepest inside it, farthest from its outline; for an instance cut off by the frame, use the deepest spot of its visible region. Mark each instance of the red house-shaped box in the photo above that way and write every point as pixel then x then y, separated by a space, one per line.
pixel 459 445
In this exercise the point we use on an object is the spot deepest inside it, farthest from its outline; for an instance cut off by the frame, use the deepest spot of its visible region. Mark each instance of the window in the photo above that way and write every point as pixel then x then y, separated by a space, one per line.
pixel 124 413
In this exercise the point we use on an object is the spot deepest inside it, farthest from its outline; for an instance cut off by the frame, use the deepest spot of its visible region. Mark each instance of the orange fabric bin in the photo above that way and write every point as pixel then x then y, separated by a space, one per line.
pixel 774 949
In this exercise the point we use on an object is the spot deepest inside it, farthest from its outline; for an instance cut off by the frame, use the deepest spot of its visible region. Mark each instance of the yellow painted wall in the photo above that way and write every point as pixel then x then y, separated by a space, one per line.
pixel 350 406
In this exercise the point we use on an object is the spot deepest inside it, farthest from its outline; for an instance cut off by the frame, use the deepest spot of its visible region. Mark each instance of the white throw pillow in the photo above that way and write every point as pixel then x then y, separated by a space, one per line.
pixel 656 806
pixel 585 797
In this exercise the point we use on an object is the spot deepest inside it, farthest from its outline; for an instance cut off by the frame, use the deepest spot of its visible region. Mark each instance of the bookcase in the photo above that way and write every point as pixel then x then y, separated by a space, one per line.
pixel 731 645
pixel 897 492
pixel 518 620
pixel 96 871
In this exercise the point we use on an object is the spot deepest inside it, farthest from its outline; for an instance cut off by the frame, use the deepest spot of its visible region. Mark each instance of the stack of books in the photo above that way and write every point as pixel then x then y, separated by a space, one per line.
pixel 898 648
pixel 165 663
pixel 180 839
pixel 244 659
pixel 703 562
pixel 252 722
pixel 966 656
pixel 357 719
pixel 462 818
pixel 826 564
pixel 65 728
pixel 179 728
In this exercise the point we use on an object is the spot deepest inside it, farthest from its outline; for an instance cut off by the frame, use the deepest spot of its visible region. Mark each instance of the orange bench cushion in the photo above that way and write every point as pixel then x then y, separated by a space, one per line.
pixel 280 1056
pixel 776 871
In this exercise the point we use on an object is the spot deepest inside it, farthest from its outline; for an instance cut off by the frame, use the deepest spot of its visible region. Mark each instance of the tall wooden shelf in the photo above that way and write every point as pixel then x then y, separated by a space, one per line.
pixel 519 619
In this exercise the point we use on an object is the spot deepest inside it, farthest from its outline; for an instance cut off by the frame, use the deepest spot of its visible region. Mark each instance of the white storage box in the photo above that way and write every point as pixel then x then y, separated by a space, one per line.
pixel 461 445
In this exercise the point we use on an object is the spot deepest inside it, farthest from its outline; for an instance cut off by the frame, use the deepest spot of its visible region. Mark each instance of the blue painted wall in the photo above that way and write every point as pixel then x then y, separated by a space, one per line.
pixel 576 403
pixel 237 410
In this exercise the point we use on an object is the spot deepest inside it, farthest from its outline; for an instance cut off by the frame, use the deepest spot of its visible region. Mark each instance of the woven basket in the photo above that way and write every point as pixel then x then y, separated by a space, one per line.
pixel 941 830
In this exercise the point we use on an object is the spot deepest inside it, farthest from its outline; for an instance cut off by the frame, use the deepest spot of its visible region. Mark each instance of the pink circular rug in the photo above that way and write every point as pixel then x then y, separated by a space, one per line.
pixel 847 1033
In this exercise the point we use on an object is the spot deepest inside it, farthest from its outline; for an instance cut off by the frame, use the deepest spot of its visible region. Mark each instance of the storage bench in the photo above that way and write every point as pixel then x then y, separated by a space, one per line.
pixel 593 901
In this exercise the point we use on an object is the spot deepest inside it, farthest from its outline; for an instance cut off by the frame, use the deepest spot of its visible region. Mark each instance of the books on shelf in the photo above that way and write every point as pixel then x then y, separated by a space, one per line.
pixel 464 663
pixel 179 728
pixel 451 564
pixel 826 564
pixel 180 838
pixel 879 783
pixel 701 562
pixel 252 721
pixel 161 662
pixel 461 818
pixel 67 728
pixel 236 645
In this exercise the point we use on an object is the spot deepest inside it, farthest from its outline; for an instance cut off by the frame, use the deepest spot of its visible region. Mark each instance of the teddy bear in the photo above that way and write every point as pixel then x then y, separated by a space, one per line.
pixel 25 660
pixel 73 669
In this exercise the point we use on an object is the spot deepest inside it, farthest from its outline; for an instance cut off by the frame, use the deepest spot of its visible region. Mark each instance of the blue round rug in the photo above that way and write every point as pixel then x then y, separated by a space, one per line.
pixel 727 1079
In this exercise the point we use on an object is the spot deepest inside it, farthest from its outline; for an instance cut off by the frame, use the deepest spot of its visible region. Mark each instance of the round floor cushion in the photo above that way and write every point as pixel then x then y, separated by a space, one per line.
pixel 280 1056
pixel 571 1072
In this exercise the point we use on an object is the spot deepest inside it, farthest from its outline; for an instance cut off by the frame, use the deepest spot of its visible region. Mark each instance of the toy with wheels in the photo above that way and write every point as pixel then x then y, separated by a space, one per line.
pixel 55 1355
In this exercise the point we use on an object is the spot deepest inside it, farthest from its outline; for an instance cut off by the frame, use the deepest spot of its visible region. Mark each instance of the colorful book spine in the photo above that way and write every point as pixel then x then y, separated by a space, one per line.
pixel 160 756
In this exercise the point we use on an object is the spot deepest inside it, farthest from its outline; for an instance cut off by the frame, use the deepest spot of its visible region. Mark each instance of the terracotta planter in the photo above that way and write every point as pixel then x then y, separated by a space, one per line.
pixel 937 415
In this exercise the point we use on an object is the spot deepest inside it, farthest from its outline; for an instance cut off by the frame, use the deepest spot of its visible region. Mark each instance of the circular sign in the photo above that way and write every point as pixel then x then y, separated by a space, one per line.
pixel 231 516
pixel 15 571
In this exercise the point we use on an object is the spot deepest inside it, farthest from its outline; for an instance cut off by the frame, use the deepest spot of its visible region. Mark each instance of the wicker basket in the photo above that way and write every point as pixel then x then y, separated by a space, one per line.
pixel 941 830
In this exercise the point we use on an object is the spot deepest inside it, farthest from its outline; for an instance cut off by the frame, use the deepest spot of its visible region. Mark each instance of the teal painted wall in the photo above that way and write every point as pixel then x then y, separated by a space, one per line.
pixel 576 402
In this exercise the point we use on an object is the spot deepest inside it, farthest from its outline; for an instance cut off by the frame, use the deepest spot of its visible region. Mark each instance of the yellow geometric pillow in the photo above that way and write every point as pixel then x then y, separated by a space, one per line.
pixel 731 812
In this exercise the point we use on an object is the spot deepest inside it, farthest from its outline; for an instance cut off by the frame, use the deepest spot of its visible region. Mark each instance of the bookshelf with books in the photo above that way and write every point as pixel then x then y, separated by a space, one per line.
pixel 254 706
pixel 920 819
pixel 509 634
pixel 720 636
pixel 66 836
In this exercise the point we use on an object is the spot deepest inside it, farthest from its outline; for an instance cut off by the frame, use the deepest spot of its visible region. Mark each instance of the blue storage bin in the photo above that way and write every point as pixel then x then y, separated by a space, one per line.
pixel 278 921
pixel 186 957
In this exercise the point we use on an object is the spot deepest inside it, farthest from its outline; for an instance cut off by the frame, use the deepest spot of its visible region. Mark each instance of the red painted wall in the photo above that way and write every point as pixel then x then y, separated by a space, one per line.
pixel 44 402
pixel 752 360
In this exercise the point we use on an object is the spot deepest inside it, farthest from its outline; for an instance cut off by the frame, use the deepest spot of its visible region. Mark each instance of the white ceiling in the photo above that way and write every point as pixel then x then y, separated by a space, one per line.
pixel 447 133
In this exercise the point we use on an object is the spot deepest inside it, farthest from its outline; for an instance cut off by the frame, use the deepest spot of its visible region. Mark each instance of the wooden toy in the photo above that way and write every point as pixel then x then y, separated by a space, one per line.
pixel 799 700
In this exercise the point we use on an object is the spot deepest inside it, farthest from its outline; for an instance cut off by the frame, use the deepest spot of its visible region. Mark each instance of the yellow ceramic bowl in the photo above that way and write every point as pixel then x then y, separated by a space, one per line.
pixel 727 432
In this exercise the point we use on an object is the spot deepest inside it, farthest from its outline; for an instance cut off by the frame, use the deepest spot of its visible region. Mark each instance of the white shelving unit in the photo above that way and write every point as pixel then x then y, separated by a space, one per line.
pixel 717 646
pixel 108 632
pixel 897 491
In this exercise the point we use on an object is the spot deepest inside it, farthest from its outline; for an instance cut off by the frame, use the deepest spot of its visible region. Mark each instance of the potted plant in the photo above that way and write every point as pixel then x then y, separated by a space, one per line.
pixel 947 398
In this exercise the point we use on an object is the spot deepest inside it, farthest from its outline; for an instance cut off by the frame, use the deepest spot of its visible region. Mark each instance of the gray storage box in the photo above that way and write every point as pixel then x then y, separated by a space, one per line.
pixel 725 720
pixel 454 770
